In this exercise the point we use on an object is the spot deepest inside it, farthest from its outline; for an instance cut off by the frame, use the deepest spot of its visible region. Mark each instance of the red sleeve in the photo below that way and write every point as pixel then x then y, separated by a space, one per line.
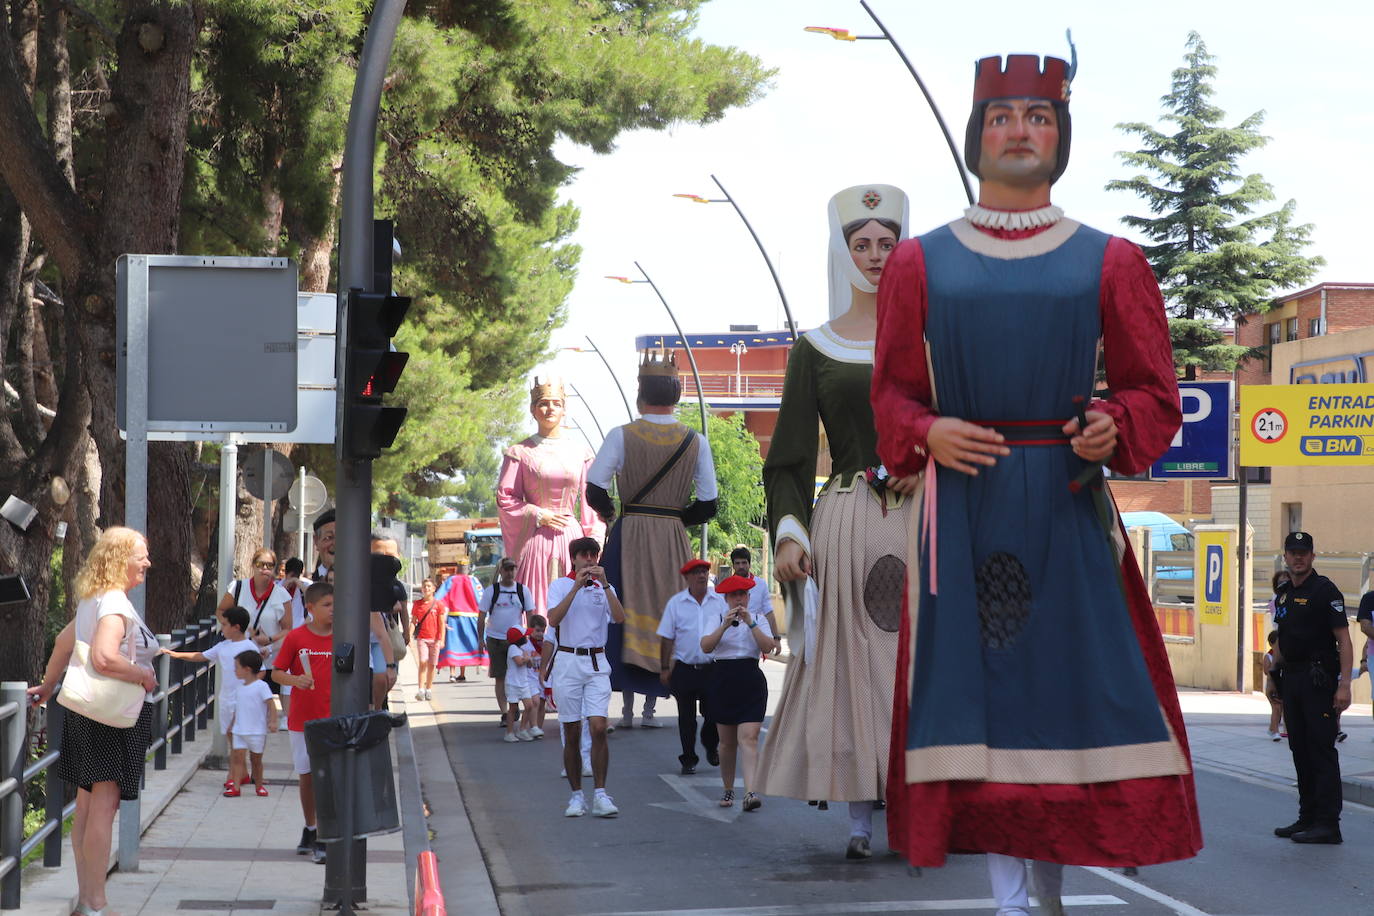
pixel 1140 360
pixel 901 392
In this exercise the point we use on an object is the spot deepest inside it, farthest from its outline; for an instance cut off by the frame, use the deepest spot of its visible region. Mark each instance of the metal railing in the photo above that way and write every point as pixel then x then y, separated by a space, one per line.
pixel 182 705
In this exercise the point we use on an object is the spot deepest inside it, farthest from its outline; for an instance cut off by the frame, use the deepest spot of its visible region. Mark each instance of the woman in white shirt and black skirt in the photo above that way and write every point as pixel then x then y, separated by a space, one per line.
pixel 736 691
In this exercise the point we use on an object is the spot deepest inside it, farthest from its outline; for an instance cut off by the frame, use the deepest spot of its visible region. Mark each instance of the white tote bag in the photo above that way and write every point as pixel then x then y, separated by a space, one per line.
pixel 97 696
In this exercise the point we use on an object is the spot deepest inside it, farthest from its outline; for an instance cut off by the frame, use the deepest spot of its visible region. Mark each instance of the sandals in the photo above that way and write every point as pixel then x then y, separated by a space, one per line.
pixel 728 799
pixel 752 802
pixel 231 792
pixel 262 791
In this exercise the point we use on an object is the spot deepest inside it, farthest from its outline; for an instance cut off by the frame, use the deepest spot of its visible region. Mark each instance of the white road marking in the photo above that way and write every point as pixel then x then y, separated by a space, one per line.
pixel 1178 906
pixel 694 802
pixel 877 906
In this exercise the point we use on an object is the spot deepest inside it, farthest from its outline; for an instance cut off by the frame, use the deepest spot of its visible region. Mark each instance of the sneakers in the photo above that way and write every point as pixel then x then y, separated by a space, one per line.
pixel 577 806
pixel 1274 736
pixel 262 791
pixel 536 731
pixel 419 694
pixel 650 722
pixel 317 854
pixel 602 806
pixel 1341 736
pixel 524 735
pixel 860 847
pixel 307 842
pixel 625 722
pixel 510 738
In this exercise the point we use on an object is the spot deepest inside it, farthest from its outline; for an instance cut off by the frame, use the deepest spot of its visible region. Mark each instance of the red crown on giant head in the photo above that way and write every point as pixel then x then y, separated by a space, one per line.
pixel 1022 78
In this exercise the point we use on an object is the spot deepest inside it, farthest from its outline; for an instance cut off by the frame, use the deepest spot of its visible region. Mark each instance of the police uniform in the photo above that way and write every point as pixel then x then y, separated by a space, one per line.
pixel 1308 617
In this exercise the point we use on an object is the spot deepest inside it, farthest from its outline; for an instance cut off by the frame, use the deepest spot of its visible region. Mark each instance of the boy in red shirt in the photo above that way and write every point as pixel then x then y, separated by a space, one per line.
pixel 305 662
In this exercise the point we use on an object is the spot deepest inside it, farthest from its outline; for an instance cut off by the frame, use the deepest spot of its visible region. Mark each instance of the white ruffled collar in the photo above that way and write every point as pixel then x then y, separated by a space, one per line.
pixel 988 218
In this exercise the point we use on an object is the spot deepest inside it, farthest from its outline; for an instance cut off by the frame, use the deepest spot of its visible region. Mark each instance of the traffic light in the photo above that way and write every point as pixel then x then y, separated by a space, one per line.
pixel 371 370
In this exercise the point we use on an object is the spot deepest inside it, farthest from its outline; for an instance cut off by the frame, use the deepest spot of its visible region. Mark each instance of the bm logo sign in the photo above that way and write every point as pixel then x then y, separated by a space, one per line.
pixel 1212 586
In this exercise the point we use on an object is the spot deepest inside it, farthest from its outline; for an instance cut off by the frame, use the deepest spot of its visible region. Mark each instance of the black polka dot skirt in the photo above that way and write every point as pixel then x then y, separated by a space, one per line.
pixel 94 752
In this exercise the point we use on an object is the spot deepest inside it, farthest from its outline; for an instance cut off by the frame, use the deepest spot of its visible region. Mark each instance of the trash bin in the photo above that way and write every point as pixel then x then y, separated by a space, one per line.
pixel 350 759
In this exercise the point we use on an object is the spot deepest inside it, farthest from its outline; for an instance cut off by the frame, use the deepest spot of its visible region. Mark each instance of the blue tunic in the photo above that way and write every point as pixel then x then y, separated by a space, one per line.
pixel 1029 580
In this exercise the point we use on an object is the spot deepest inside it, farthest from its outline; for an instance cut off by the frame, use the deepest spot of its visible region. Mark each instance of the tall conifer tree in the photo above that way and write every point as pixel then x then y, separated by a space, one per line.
pixel 1215 259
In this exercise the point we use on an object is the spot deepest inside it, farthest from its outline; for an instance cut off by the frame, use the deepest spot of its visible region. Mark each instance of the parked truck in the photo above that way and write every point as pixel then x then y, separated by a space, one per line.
pixel 477 540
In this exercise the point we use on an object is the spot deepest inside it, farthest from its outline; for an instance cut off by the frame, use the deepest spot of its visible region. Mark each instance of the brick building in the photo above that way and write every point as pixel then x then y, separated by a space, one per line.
pixel 1327 308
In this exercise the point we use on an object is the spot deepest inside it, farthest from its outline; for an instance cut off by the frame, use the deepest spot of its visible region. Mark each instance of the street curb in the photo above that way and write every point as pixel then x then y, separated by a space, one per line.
pixel 1353 790
pixel 52 891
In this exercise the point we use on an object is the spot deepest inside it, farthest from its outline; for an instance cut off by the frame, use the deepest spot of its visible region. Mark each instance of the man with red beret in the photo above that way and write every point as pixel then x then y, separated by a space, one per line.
pixel 1022 553
pixel 685 664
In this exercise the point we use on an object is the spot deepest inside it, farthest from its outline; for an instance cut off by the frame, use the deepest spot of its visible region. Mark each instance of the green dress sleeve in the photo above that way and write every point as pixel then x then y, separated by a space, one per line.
pixel 789 473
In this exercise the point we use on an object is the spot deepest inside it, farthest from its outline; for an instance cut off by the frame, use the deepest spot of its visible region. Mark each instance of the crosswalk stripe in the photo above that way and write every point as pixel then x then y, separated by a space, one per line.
pixel 876 906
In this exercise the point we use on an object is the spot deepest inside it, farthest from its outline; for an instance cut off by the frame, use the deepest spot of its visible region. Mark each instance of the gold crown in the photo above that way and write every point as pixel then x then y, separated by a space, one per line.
pixel 546 386
pixel 656 363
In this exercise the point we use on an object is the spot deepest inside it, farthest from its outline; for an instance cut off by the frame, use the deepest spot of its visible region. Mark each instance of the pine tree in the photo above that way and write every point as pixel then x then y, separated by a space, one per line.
pixel 1215 260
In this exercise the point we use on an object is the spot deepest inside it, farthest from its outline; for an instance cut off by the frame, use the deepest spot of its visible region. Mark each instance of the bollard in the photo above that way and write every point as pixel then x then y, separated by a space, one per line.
pixel 54 794
pixel 13 731
pixel 429 896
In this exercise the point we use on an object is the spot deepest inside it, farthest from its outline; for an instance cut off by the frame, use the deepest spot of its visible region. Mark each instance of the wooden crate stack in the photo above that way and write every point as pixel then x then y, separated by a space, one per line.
pixel 445 539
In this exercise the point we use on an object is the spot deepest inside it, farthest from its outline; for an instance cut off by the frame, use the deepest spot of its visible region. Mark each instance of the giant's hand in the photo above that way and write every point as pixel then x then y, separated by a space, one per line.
pixel 904 485
pixel 964 446
pixel 791 562
pixel 1098 441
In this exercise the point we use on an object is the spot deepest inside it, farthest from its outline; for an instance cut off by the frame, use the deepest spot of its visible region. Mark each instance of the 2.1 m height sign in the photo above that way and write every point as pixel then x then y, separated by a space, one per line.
pixel 1202 446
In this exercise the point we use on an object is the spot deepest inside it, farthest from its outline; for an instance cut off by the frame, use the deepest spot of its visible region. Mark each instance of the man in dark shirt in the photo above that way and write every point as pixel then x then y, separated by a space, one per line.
pixel 1314 649
pixel 1364 617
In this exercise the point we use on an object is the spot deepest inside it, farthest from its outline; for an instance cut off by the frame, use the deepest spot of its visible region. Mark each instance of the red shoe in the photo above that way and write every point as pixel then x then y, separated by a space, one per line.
pixel 231 792
pixel 229 784
pixel 262 791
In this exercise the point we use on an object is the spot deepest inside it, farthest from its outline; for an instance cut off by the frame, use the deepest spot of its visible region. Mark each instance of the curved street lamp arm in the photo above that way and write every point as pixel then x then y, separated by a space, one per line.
pixel 791 325
pixel 953 150
pixel 590 412
pixel 691 358
pixel 624 400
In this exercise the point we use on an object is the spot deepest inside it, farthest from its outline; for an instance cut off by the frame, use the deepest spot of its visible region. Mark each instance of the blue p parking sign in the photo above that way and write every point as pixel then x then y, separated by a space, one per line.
pixel 1202 447
pixel 1215 567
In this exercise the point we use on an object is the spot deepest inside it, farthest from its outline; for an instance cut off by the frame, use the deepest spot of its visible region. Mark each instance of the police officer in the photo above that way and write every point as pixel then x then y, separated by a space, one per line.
pixel 1315 651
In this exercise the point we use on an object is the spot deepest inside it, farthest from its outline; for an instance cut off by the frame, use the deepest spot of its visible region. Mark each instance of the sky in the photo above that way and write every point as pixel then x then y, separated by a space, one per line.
pixel 845 113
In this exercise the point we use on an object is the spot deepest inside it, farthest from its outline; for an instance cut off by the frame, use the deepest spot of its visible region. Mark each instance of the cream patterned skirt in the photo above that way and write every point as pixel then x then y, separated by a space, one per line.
pixel 830 733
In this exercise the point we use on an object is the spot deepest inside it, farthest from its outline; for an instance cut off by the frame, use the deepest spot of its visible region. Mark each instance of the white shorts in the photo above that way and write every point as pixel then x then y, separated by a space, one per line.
pixel 253 744
pixel 579 690
pixel 517 690
pixel 300 757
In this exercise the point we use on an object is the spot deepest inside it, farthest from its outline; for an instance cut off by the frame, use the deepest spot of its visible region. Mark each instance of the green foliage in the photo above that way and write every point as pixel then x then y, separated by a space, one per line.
pixel 741 509
pixel 1215 259
pixel 477 94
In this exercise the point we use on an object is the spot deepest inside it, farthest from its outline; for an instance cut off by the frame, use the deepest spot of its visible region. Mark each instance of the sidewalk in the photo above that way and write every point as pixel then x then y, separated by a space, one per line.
pixel 1227 733
pixel 212 854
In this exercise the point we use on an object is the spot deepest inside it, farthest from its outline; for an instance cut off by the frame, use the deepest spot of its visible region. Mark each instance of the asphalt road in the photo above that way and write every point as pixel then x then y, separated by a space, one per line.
pixel 673 851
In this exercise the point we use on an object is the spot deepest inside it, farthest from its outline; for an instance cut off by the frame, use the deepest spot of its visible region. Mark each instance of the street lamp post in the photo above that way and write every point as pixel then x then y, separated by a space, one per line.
pixel 845 35
pixel 727 199
pixel 597 350
pixel 739 349
pixel 577 394
pixel 691 359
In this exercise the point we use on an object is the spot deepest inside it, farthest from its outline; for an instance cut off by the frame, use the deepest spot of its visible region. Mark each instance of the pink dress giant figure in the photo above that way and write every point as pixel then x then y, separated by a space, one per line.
pixel 542 495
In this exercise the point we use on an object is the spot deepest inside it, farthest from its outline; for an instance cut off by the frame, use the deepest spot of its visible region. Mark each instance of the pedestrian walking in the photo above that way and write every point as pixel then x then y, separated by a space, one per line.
pixel 1315 651
pixel 504 608
pixel 104 762
pixel 427 616
pixel 268 605
pixel 737 693
pixel 686 665
pixel 1273 674
pixel 582 605
pixel 1364 616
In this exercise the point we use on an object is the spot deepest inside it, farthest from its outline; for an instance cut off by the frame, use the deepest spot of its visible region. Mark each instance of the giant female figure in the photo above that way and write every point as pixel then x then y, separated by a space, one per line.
pixel 829 737
pixel 541 495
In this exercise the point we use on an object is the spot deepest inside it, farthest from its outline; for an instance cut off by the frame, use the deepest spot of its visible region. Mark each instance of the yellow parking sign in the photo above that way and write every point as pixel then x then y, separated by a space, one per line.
pixel 1320 425
pixel 1212 578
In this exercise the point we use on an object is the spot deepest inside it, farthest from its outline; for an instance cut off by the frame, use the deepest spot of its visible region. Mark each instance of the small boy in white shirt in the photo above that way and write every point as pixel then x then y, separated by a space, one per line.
pixel 234 626
pixel 538 626
pixel 518 688
pixel 254 716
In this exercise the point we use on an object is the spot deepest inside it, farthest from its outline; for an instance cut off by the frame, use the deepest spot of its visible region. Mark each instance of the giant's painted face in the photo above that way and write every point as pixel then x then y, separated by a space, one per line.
pixel 547 412
pixel 1020 142
pixel 869 246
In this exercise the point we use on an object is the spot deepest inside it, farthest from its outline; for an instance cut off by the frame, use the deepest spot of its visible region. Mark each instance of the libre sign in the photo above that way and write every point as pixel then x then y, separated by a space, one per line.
pixel 1314 425
pixel 1215 550
pixel 1202 446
